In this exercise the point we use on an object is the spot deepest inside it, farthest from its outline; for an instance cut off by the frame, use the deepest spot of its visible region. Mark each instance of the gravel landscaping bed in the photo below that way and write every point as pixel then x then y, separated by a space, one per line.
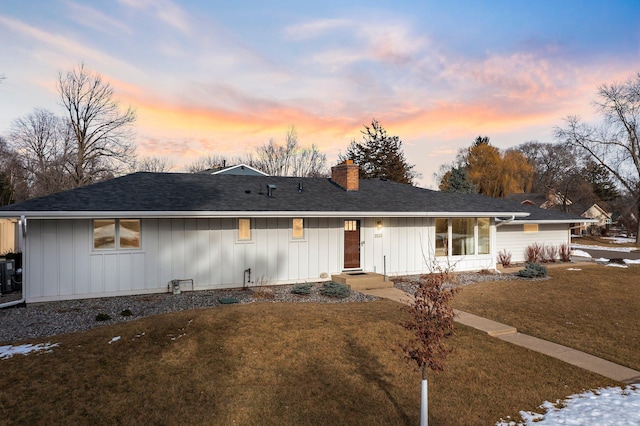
pixel 51 318
pixel 409 284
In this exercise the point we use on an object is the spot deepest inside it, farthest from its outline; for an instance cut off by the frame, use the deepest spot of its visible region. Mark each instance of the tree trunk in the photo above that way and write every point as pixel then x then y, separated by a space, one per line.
pixel 638 222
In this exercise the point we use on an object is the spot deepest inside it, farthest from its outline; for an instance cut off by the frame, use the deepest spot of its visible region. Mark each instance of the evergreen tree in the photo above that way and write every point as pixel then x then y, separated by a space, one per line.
pixel 380 155
pixel 601 181
pixel 457 180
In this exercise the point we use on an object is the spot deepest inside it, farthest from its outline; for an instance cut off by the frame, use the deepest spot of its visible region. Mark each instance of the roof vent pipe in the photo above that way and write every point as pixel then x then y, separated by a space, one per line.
pixel 270 189
pixel 299 186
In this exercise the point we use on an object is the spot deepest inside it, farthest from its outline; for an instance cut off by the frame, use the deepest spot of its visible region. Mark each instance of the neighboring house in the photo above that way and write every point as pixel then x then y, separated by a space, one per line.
pixel 136 233
pixel 240 169
pixel 596 213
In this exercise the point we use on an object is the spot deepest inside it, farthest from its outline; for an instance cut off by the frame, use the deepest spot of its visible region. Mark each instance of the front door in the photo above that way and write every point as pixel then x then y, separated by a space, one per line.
pixel 351 244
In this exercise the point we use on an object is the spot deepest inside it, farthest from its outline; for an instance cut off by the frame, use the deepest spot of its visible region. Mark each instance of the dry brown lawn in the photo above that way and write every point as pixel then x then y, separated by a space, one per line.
pixel 274 364
pixel 595 309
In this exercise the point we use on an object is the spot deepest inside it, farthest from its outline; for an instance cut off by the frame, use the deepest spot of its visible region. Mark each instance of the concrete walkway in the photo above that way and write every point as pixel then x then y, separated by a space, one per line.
pixel 510 334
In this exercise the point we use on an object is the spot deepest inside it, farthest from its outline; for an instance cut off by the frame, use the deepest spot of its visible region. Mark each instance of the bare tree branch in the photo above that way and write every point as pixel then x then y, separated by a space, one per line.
pixel 101 133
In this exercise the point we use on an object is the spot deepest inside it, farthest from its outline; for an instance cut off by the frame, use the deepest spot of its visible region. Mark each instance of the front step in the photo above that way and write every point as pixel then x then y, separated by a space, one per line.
pixel 362 280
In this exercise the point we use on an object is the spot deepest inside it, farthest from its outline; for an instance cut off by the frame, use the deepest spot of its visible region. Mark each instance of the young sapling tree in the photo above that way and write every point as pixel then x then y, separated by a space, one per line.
pixel 430 323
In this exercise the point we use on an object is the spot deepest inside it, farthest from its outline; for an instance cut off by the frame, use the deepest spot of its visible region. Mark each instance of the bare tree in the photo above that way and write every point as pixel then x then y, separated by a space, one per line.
pixel 614 144
pixel 207 163
pixel 101 134
pixel 40 141
pixel 152 164
pixel 290 159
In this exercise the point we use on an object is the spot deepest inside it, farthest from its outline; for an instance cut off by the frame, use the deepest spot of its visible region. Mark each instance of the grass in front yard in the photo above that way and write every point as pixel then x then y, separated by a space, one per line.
pixel 274 364
pixel 594 310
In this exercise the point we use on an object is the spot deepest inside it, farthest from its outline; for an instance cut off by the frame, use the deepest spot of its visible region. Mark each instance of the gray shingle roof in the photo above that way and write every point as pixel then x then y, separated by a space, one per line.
pixel 191 193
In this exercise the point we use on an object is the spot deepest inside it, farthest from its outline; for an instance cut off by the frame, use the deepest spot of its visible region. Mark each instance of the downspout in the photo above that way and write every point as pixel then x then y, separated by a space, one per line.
pixel 22 234
pixel 504 222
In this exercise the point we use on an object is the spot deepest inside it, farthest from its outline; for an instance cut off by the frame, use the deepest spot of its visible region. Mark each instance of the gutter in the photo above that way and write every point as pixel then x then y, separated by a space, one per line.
pixel 23 233
pixel 245 214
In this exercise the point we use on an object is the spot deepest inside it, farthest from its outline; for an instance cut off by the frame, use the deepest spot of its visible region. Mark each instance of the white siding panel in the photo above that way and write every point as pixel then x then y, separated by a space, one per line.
pixel 261 262
pixel 97 274
pixel 139 269
pixel 201 259
pixel 166 251
pixel 514 240
pixel 125 271
pixel 110 273
pixel 66 257
pixel 227 243
pixel 82 243
pixel 178 246
pixel 34 268
pixel 215 253
pixel 151 252
pixel 50 264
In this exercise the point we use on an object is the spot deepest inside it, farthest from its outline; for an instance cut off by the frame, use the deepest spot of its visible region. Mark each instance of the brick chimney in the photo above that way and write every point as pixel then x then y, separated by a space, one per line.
pixel 346 175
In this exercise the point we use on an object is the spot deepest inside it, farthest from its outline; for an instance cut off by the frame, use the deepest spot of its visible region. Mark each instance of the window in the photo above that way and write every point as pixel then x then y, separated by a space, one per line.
pixel 244 229
pixel 442 236
pixel 104 234
pixel 297 228
pixel 484 235
pixel 350 225
pixel 462 236
pixel 459 237
pixel 530 227
pixel 107 231
pixel 129 233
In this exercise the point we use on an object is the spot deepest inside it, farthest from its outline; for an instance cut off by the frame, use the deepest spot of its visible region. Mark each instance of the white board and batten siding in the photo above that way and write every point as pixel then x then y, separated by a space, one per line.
pixel 513 238
pixel 62 264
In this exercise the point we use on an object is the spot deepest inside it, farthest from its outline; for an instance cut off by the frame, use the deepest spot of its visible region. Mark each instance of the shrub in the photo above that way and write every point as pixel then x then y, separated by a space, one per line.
pixel 565 252
pixel 533 253
pixel 533 270
pixel 302 289
pixel 550 253
pixel 126 313
pixel 504 258
pixel 333 289
pixel 103 317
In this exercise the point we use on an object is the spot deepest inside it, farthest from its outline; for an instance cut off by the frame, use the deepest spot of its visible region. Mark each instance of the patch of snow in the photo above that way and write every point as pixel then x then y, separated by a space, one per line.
pixel 574 269
pixel 605 406
pixel 10 350
pixel 115 339
pixel 620 249
pixel 620 240
pixel 632 261
pixel 602 260
pixel 580 253
pixel 617 265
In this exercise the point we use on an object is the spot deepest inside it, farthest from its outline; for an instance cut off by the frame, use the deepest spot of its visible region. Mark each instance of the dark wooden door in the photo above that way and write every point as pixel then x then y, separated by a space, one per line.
pixel 351 244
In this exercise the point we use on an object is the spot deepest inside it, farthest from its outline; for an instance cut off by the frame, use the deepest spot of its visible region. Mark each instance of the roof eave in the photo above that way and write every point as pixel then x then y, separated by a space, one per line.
pixel 243 213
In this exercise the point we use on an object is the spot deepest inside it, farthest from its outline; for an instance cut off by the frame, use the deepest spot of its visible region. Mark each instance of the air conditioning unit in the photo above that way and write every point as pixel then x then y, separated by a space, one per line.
pixel 6 274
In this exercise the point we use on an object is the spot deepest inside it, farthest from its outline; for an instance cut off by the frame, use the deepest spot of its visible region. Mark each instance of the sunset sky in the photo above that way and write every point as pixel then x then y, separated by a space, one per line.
pixel 220 78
